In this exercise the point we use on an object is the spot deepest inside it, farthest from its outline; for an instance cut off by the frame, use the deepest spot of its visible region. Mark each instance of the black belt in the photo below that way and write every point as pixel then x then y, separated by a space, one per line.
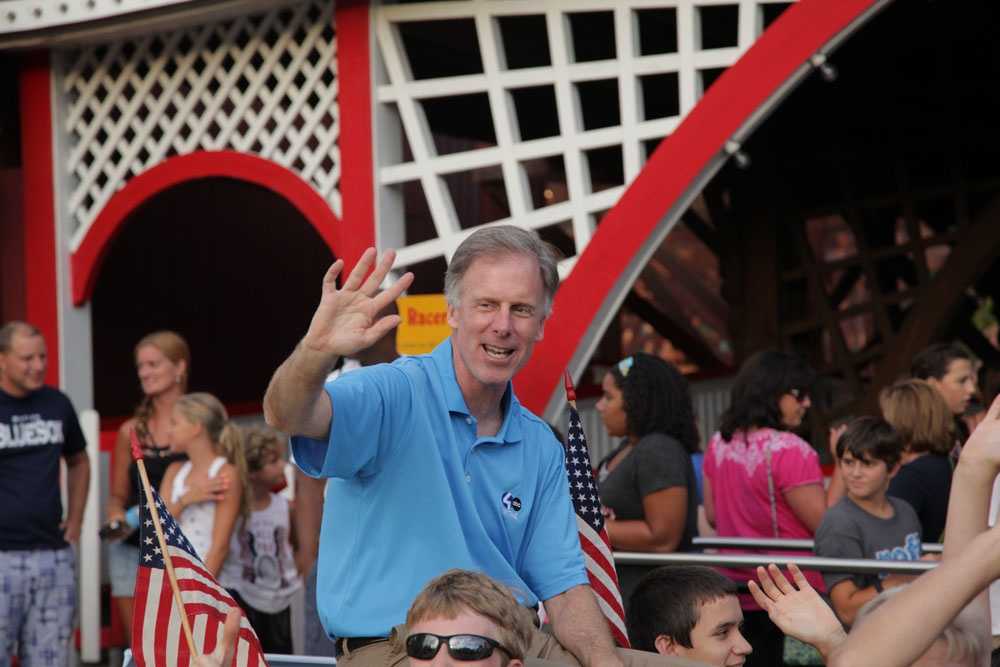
pixel 351 644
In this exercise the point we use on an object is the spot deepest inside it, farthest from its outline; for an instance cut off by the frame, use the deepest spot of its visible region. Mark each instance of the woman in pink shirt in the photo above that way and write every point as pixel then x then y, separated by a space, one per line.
pixel 760 479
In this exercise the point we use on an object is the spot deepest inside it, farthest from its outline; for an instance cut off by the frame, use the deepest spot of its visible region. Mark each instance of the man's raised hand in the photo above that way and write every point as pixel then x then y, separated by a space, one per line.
pixel 344 321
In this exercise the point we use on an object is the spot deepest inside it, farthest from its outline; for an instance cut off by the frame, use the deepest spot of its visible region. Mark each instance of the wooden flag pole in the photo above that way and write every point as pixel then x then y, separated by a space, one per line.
pixel 167 560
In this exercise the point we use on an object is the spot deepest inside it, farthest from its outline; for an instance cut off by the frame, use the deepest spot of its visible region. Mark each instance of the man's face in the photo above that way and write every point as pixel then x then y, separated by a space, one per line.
pixel 957 385
pixel 466 623
pixel 865 478
pixel 22 367
pixel 499 319
pixel 716 638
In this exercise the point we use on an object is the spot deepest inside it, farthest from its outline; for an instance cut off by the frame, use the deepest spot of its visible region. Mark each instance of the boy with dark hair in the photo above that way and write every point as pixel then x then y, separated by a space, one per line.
pixel 949 368
pixel 691 612
pixel 867 523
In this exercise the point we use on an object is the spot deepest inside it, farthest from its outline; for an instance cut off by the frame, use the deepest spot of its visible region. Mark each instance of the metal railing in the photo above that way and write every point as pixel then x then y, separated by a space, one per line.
pixel 777 544
pixel 851 565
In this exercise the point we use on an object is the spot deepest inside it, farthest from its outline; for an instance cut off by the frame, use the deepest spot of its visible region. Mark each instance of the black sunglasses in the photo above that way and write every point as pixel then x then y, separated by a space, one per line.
pixel 424 646
pixel 799 395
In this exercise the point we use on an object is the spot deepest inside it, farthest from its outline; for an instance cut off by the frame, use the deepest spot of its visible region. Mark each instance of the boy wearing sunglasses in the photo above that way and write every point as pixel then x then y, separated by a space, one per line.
pixel 465 616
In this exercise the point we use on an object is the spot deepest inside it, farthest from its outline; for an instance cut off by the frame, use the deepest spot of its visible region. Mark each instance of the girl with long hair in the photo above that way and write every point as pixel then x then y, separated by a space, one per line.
pixel 200 428
pixel 647 485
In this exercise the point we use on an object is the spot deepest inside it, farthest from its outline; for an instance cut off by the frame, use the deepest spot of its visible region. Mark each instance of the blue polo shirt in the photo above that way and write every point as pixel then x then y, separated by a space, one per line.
pixel 413 492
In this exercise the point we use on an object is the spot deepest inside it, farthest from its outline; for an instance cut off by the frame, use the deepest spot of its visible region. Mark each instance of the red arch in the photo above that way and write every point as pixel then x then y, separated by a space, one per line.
pixel 86 260
pixel 733 102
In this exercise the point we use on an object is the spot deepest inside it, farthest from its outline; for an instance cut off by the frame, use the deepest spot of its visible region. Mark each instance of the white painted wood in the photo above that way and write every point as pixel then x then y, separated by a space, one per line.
pixel 496 81
pixel 89 549
pixel 263 84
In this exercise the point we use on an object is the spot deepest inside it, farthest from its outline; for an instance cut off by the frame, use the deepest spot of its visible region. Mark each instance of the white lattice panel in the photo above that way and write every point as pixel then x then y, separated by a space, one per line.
pixel 401 97
pixel 263 84
pixel 18 15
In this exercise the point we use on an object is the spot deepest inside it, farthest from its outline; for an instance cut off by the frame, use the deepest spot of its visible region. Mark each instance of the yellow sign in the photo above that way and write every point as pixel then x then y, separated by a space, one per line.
pixel 424 323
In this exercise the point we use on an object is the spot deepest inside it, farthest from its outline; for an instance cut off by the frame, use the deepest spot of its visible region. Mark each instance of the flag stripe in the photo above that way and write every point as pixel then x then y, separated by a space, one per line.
pixel 163 616
pixel 599 573
pixel 617 624
pixel 174 638
pixel 198 628
pixel 607 590
pixel 139 613
pixel 599 541
pixel 596 554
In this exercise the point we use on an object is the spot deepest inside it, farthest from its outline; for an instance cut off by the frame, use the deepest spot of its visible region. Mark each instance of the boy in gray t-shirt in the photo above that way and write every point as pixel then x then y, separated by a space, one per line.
pixel 867 523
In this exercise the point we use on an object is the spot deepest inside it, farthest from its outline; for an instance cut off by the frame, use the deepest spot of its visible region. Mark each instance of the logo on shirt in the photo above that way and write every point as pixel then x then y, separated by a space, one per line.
pixel 511 503
pixel 910 549
pixel 30 431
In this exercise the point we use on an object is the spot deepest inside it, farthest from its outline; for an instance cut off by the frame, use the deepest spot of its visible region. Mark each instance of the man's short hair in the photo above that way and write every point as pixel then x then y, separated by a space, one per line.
pixel 667 601
pixel 933 360
pixel 920 416
pixel 456 591
pixel 502 240
pixel 871 438
pixel 963 636
pixel 11 329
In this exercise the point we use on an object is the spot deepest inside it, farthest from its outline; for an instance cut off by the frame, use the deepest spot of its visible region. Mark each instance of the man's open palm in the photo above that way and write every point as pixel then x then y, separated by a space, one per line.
pixel 344 321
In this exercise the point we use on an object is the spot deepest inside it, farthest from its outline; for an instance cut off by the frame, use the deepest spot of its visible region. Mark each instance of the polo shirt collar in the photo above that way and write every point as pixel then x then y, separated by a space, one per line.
pixel 510 428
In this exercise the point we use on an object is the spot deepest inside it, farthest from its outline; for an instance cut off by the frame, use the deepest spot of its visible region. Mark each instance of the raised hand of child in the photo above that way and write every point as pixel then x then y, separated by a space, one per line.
pixel 983 446
pixel 797 610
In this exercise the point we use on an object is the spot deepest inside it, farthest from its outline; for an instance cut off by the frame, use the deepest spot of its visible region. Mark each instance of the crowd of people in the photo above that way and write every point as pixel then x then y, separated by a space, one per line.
pixel 432 509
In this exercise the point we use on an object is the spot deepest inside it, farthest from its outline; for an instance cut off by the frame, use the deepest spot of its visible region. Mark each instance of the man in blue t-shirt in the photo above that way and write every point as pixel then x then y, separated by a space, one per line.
pixel 38 426
pixel 433 463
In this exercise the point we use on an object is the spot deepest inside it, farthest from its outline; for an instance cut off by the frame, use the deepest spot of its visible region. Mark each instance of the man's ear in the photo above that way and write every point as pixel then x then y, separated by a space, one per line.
pixel 894 469
pixel 541 329
pixel 452 316
pixel 666 645
pixel 515 662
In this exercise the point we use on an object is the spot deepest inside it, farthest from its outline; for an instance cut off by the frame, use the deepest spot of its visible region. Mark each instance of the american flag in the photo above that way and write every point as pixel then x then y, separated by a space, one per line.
pixel 157 636
pixel 590 524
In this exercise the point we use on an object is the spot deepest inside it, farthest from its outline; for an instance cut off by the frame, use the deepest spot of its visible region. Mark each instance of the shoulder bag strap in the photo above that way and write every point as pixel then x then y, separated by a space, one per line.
pixel 770 488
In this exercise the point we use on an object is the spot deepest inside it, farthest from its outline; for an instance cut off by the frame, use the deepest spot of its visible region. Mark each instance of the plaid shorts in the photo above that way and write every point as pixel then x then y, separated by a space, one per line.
pixel 37 603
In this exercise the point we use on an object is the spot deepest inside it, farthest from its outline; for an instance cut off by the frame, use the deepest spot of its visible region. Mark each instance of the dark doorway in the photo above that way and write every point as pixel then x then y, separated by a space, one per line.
pixel 231 266
pixel 12 282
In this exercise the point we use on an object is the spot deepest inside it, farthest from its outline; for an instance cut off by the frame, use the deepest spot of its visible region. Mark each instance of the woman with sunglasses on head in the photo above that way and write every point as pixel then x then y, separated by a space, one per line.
pixel 647 485
pixel 760 479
